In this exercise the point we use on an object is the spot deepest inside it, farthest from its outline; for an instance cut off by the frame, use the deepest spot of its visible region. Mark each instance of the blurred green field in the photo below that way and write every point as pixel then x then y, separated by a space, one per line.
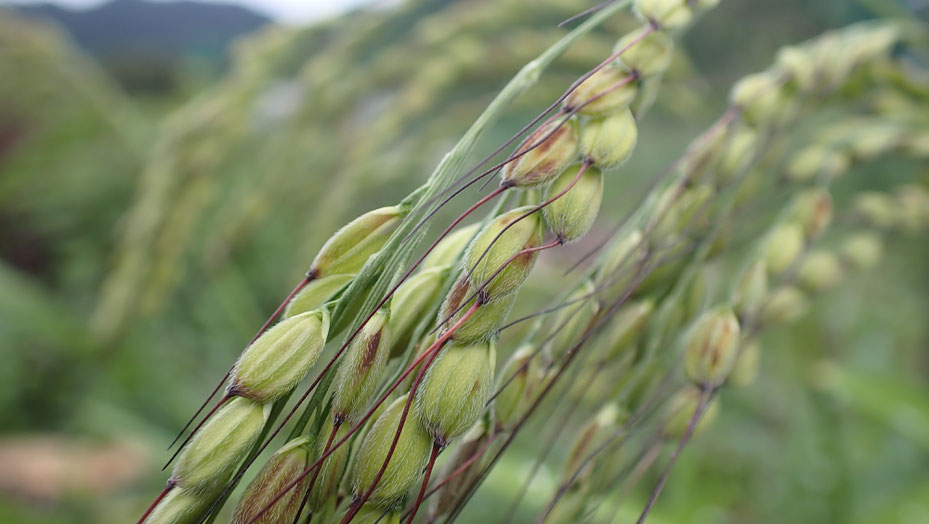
pixel 143 240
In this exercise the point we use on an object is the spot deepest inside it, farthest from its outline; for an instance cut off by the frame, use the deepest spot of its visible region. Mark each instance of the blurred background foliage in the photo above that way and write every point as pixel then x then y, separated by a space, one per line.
pixel 153 212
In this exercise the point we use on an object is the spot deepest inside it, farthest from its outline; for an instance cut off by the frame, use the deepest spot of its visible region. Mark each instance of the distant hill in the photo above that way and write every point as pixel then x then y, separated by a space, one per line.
pixel 137 27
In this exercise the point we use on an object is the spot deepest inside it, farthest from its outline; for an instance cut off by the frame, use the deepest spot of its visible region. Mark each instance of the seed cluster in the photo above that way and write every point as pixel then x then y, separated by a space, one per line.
pixel 648 302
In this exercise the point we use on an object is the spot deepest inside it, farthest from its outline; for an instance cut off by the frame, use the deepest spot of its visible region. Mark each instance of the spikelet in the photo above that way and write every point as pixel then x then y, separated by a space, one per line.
pixel 626 327
pixel 609 141
pixel 597 430
pixel 450 248
pixel 375 514
pixel 573 214
pixel 602 85
pixel 523 373
pixel 411 303
pixel 751 290
pixel 281 469
pixel 280 358
pixel 746 366
pixel 361 367
pixel 180 506
pixel 812 210
pixel 819 271
pixel 782 247
pixel 666 14
pixel 862 251
pixel 315 294
pixel 483 323
pixel 759 95
pixel 333 467
pixel 681 409
pixel 556 150
pixel 737 154
pixel 408 460
pixel 712 347
pixel 349 248
pixel 815 160
pixel 526 233
pixel 455 389
pixel 571 322
pixel 650 56
pixel 209 459
pixel 784 304
pixel 621 259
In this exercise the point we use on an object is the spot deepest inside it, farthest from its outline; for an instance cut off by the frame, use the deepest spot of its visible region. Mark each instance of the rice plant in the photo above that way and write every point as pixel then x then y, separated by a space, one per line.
pixel 408 362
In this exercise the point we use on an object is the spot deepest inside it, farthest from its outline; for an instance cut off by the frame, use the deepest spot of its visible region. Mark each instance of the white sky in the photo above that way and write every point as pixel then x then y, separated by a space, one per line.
pixel 289 11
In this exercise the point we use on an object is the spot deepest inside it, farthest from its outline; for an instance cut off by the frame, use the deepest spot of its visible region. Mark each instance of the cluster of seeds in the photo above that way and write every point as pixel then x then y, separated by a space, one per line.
pixel 440 326
pixel 721 345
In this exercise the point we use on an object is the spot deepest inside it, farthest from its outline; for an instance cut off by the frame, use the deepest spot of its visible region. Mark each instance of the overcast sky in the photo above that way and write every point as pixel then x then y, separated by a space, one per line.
pixel 290 11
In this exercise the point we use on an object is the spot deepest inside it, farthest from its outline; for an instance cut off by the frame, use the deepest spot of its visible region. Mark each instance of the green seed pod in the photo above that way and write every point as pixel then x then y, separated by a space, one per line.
pixel 712 346
pixel 913 203
pixel 573 214
pixel 627 326
pixel 873 140
pixel 333 467
pixel 812 210
pixel 315 294
pixel 571 322
pixel 455 389
pixel 738 153
pixel 751 290
pixel 814 160
pixel 361 367
pixel 819 271
pixel 675 212
pixel 666 14
pixel 603 81
pixel 374 514
pixel 349 248
pixel 180 506
pixel 484 322
pixel 760 96
pixel 784 304
pixel 704 153
pixel 681 409
pixel 525 234
pixel 412 302
pixel 697 295
pixel 862 251
pixel 782 247
pixel 594 433
pixel 280 358
pixel 649 56
pixel 557 150
pixel 513 400
pixel 209 459
pixel 746 366
pixel 608 142
pixel 916 144
pixel 798 64
pixel 450 248
pixel 280 470
pixel 875 208
pixel 406 463
pixel 619 262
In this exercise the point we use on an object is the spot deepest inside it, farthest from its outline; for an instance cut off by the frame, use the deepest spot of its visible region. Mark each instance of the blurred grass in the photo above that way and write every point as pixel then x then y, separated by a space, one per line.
pixel 139 250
